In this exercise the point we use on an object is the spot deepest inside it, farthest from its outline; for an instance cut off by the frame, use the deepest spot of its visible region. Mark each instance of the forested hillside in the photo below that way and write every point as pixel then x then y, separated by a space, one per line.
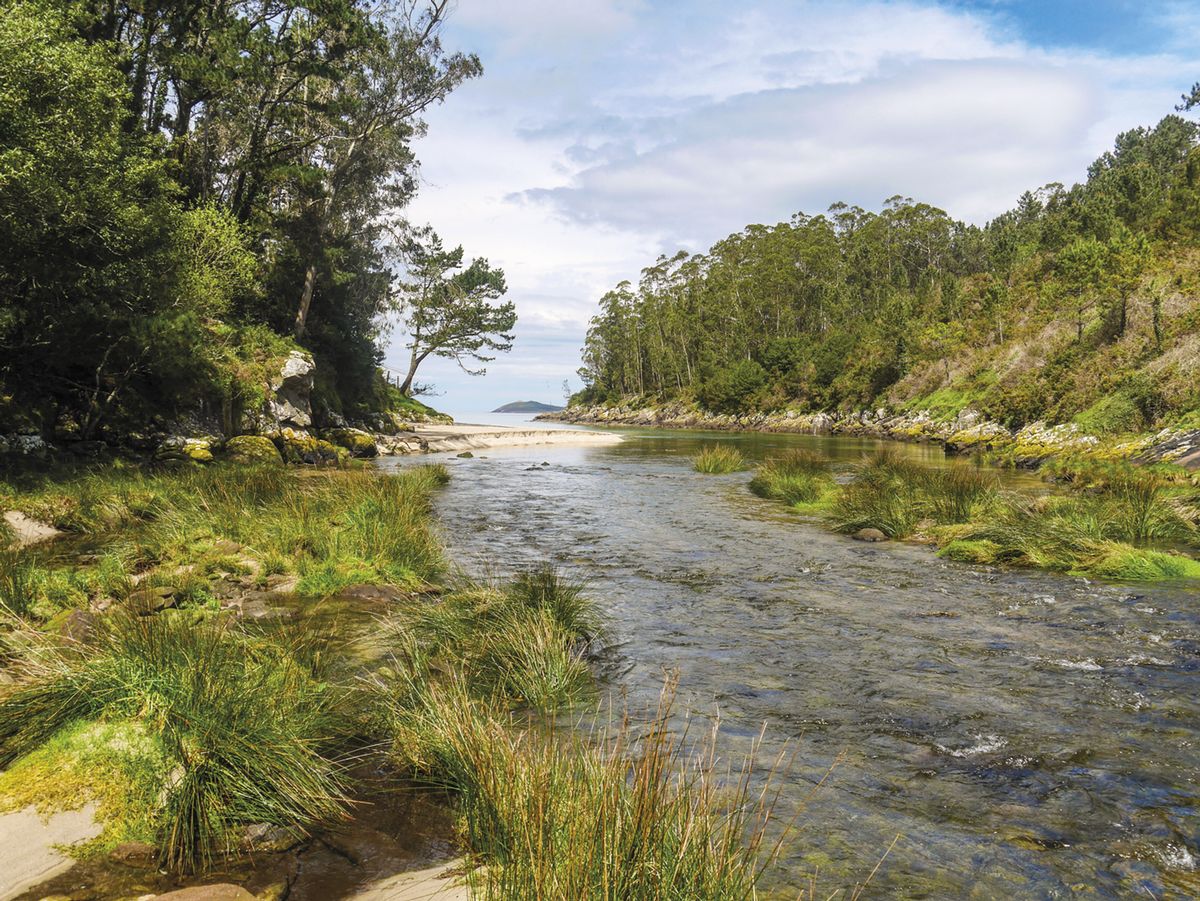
pixel 1080 304
pixel 192 190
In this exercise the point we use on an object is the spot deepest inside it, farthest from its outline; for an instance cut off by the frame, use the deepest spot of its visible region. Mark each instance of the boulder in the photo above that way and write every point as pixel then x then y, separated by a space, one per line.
pixel 152 599
pixel 869 535
pixel 356 441
pixel 26 531
pixel 252 449
pixel 222 891
pixel 299 446
pixel 179 448
pixel 290 403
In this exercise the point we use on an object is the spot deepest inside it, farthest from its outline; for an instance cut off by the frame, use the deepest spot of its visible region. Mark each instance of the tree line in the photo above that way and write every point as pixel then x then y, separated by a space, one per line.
pixel 851 308
pixel 189 188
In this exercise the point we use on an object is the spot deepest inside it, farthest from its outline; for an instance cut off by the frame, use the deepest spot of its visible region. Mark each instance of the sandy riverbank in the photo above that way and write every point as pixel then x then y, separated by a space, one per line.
pixel 465 436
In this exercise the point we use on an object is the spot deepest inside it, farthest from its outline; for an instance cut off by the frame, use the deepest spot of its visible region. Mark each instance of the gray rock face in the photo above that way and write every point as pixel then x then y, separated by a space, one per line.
pixel 291 400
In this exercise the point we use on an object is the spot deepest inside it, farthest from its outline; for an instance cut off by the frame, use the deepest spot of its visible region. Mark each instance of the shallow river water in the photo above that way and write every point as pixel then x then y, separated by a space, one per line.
pixel 1026 735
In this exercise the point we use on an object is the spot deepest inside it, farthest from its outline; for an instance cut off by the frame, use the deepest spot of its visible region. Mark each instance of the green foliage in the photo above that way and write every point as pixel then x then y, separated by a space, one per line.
pixel 449 309
pixel 796 477
pixel 729 389
pixel 718 458
pixel 172 206
pixel 241 722
pixel 1040 315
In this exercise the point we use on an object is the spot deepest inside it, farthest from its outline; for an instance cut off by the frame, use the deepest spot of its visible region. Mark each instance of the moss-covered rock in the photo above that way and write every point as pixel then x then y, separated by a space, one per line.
pixel 252 449
pixel 301 447
pixel 181 450
pixel 356 441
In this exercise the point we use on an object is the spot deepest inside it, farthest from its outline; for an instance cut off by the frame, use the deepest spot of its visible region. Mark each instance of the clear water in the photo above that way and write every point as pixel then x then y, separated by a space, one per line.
pixel 1026 735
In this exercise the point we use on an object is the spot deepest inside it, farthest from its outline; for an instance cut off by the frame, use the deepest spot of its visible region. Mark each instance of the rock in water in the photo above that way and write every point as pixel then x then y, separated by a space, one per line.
pixel 869 535
pixel 220 892
pixel 27 531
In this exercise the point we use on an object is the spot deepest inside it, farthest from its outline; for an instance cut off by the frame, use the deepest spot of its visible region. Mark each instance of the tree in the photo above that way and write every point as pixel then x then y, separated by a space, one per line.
pixel 1079 267
pixel 448 309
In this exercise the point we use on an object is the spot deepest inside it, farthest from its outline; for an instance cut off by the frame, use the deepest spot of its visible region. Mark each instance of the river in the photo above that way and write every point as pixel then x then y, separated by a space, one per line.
pixel 1025 734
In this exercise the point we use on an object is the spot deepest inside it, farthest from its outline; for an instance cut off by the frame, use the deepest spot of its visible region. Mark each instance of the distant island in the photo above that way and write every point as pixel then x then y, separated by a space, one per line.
pixel 527 406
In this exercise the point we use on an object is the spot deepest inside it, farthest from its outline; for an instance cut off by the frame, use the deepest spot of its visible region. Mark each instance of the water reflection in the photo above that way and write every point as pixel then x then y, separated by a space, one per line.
pixel 1028 735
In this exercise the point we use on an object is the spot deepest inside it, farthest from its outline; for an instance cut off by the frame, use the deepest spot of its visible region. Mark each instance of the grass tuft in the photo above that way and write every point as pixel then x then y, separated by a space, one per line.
pixel 718 459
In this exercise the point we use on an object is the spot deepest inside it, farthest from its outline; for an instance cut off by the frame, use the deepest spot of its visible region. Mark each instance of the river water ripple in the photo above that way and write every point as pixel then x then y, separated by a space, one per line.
pixel 1028 735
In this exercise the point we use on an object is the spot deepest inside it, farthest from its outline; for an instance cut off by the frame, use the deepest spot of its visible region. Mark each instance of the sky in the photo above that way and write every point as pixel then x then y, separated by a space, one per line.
pixel 604 133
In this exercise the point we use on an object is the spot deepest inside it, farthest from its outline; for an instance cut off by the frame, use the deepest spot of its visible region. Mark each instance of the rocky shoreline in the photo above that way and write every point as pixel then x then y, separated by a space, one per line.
pixel 968 432
pixel 287 428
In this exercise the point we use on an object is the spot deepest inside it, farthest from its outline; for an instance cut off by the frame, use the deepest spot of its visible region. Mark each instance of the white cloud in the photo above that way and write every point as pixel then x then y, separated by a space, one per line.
pixel 605 132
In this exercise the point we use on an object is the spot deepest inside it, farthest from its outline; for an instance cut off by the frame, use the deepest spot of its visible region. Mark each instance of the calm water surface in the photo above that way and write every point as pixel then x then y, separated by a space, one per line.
pixel 1026 735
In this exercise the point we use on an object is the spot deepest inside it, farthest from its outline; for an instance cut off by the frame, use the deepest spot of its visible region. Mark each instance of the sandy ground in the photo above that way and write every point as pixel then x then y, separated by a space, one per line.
pixel 461 437
pixel 27 846
pixel 435 884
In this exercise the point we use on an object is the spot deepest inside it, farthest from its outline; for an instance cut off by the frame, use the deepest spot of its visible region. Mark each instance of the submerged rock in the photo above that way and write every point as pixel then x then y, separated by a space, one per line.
pixel 222 891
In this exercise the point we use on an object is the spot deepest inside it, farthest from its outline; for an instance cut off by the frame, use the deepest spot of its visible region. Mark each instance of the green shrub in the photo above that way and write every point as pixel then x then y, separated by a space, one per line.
pixel 1113 414
pixel 728 390
pixel 718 459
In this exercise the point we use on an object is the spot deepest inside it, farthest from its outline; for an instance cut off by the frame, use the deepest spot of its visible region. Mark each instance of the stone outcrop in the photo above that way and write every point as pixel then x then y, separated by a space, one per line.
pixel 179 448
pixel 356 441
pixel 290 402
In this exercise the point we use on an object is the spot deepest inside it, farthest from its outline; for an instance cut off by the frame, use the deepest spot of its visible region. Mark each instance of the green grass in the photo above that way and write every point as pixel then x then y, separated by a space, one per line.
pixel 569 815
pixel 718 459
pixel 244 724
pixel 798 477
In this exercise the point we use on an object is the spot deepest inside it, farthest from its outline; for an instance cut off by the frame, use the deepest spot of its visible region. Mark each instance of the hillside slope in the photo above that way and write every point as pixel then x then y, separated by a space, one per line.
pixel 1081 305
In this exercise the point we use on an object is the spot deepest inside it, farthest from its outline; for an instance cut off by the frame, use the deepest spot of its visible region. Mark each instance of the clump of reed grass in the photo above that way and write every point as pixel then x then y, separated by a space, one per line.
pixel 571 815
pixel 523 644
pixel 957 493
pixel 16 584
pixel 884 495
pixel 246 727
pixel 718 459
pixel 795 477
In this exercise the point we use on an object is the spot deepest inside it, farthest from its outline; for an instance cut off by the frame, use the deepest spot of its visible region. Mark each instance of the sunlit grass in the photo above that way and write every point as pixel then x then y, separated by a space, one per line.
pixel 718 459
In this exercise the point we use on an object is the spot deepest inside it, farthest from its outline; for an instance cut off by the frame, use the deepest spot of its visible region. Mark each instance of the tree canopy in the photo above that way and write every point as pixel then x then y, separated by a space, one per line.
pixel 448 308
pixel 1026 317
pixel 189 186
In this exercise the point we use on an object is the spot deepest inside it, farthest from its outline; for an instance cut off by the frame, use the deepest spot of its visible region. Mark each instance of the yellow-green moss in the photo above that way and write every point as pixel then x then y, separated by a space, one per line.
pixel 118 766
pixel 252 449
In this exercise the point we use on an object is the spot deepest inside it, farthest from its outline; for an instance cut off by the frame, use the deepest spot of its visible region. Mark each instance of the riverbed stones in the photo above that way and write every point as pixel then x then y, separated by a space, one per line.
pixel 869 535
pixel 152 599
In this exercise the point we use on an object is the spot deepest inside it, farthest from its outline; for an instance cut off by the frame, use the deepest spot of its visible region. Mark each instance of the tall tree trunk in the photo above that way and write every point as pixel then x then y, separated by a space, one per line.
pixel 310 282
